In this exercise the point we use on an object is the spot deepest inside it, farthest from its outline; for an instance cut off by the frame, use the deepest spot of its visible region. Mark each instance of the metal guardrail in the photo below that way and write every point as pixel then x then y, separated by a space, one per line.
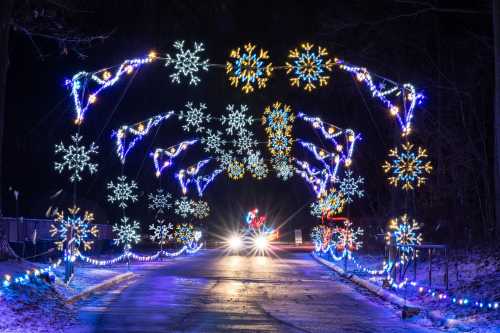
pixel 22 229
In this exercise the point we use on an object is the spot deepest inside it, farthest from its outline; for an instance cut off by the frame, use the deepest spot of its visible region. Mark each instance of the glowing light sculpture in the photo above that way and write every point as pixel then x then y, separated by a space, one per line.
pixel 332 203
pixel 405 235
pixel 162 232
pixel 184 233
pixel 236 119
pixel 213 141
pixel 187 63
pixel 283 167
pixel 126 233
pixel 76 158
pixel 248 68
pixel 122 191
pixel 160 201
pixel 74 230
pixel 278 120
pixel 255 165
pixel 407 167
pixel 164 158
pixel 235 169
pixel 309 67
pixel 83 97
pixel 191 176
pixel 201 209
pixel 194 117
pixel 351 186
pixel 127 136
pixel 346 238
pixel 183 207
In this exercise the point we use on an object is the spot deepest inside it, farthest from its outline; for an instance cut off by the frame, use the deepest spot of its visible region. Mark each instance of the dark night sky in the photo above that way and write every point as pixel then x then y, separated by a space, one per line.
pixel 407 49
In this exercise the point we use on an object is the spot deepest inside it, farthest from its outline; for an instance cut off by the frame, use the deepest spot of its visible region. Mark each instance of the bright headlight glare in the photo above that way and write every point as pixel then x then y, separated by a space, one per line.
pixel 261 242
pixel 235 242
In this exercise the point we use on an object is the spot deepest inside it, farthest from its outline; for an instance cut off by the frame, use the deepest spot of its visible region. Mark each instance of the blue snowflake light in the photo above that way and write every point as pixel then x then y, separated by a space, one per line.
pixel 351 186
pixel 73 229
pixel 309 67
pixel 405 235
pixel 122 192
pixel 184 233
pixel 187 63
pixel 282 166
pixel 76 158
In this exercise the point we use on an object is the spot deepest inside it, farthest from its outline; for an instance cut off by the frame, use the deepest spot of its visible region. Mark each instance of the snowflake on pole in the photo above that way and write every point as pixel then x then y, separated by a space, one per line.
pixel 159 201
pixel 247 67
pixel 187 63
pixel 406 236
pixel 347 238
pixel 408 167
pixel 76 158
pixel 213 141
pixel 74 229
pixel 183 207
pixel 309 67
pixel 122 192
pixel 161 232
pixel 184 233
pixel 351 186
pixel 194 117
pixel 201 209
pixel 127 233
pixel 237 119
pixel 282 166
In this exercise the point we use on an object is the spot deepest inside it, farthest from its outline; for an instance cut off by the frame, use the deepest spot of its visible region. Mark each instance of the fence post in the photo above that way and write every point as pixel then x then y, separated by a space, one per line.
pixel 430 267
pixel 415 264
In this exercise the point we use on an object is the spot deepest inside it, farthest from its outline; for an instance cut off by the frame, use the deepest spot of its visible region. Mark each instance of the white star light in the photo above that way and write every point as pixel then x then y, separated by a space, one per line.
pixel 122 192
pixel 76 158
pixel 194 117
pixel 187 63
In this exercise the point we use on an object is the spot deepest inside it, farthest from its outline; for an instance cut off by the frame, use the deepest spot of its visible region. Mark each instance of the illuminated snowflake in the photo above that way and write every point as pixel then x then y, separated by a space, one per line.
pixel 76 158
pixel 407 168
pixel 213 141
pixel 347 238
pixel 187 63
pixel 278 118
pixel 201 209
pixel 161 232
pixel 183 207
pixel 159 201
pixel 350 186
pixel 331 204
pixel 255 164
pixel 236 169
pixel 282 166
pixel 248 68
pixel 225 158
pixel 236 120
pixel 309 67
pixel 244 142
pixel 197 235
pixel 405 235
pixel 79 228
pixel 194 117
pixel 321 236
pixel 184 233
pixel 127 233
pixel 122 192
pixel 279 144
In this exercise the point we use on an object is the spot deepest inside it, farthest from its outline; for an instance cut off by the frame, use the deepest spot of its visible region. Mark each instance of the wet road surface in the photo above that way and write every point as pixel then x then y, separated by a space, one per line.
pixel 212 292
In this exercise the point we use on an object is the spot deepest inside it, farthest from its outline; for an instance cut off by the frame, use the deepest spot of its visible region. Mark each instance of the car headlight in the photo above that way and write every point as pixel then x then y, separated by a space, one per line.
pixel 261 242
pixel 235 242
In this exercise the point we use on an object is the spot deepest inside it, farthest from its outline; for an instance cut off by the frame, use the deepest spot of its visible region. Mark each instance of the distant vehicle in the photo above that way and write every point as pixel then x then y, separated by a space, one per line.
pixel 255 237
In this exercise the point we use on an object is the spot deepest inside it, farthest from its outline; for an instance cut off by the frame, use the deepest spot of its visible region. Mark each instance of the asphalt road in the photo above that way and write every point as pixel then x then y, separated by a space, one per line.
pixel 212 292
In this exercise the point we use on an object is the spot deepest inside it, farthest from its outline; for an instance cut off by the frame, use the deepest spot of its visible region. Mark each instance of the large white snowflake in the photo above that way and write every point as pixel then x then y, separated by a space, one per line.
pixel 187 63
pixel 213 141
pixel 183 207
pixel 351 186
pixel 194 117
pixel 76 158
pixel 244 141
pixel 159 201
pixel 282 166
pixel 122 192
pixel 225 158
pixel 201 209
pixel 161 232
pixel 126 232
pixel 236 120
pixel 256 165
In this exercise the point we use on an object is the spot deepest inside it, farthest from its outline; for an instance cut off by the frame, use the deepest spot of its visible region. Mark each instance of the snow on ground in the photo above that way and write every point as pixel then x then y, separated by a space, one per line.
pixel 473 274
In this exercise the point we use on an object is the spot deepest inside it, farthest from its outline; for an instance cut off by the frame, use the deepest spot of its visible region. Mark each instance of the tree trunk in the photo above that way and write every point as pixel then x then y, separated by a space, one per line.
pixel 496 39
pixel 5 20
